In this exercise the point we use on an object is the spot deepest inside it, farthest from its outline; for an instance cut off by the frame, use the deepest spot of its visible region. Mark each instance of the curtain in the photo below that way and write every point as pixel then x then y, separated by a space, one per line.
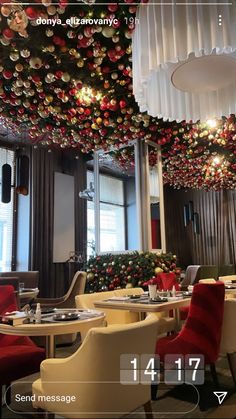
pixel 53 276
pixel 216 242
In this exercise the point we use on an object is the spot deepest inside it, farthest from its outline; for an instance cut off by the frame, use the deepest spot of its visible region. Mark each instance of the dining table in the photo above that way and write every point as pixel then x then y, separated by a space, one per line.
pixel 50 328
pixel 143 304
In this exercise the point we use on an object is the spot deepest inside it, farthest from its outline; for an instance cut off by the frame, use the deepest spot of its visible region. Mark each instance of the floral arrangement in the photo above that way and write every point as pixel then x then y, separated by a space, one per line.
pixel 108 272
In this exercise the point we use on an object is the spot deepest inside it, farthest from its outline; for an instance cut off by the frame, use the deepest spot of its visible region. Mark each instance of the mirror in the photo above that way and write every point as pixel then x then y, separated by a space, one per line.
pixel 154 195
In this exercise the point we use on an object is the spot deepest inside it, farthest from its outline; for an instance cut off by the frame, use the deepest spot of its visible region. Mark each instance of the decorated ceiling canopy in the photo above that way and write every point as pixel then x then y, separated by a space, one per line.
pixel 66 81
pixel 184 60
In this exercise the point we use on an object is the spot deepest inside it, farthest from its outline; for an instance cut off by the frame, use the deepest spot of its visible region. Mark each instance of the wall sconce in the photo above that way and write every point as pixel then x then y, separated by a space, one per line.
pixel 196 225
pixel 190 215
pixel 6 183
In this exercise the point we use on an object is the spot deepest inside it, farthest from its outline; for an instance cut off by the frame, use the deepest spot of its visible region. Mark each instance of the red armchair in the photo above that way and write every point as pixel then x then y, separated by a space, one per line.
pixel 201 333
pixel 19 356
pixel 166 281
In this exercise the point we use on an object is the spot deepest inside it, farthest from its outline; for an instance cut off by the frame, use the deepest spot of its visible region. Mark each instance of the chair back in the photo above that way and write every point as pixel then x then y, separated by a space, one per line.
pixel 86 301
pixel 227 278
pixel 8 301
pixel 166 281
pixel 204 322
pixel 206 271
pixel 190 275
pixel 30 278
pixel 207 281
pixel 94 372
pixel 77 287
pixel 228 337
pixel 227 270
pixel 14 281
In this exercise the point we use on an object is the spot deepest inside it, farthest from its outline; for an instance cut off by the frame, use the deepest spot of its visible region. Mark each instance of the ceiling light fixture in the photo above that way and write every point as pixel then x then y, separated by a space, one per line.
pixel 180 70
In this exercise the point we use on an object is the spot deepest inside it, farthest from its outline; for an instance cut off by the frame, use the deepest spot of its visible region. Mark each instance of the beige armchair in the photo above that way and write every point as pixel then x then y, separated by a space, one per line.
pixel 207 281
pixel 92 374
pixel 228 337
pixel 166 324
pixel 86 301
pixel 227 278
pixel 68 300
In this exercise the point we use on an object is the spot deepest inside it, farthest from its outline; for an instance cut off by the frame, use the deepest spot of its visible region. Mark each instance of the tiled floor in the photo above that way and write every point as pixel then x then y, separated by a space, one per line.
pixel 176 403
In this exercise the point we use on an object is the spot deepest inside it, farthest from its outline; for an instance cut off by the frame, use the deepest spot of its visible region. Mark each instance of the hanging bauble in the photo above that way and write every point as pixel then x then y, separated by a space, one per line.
pixel 31 13
pixel 35 62
pixel 108 31
pixel 7 74
pixel 114 76
pixel 51 10
pixel 65 77
pixel 8 33
pixel 49 32
pixel 14 56
pixel 25 53
pixel 5 10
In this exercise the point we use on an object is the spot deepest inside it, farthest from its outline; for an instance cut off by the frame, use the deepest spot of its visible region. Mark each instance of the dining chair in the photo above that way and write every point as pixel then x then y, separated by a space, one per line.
pixel 228 337
pixel 206 271
pixel 29 278
pixel 201 334
pixel 227 278
pixel 93 374
pixel 66 301
pixel 77 287
pixel 19 356
pixel 166 281
pixel 86 301
pixel 207 281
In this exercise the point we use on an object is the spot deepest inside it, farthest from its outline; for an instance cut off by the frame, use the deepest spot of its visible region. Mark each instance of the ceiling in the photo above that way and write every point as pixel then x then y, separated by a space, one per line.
pixel 65 83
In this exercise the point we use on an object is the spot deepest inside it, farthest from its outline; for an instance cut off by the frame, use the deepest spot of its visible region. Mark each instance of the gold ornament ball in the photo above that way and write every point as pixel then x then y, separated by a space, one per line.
pixel 158 270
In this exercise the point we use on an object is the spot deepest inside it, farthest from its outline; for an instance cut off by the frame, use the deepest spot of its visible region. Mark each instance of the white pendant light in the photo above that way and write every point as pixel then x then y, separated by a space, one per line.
pixel 184 60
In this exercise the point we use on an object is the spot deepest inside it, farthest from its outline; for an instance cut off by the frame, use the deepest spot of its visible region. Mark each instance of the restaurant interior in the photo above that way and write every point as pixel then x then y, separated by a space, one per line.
pixel 117 209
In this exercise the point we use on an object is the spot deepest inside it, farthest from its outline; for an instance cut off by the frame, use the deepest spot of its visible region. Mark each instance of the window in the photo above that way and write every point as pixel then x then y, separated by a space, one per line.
pixel 112 215
pixel 6 215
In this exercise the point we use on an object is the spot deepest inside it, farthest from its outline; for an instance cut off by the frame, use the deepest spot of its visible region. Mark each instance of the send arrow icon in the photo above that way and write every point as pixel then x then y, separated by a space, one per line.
pixel 220 395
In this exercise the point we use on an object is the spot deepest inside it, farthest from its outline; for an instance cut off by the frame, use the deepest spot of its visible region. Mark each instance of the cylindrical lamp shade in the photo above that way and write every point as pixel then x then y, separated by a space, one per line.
pixel 6 183
pixel 22 175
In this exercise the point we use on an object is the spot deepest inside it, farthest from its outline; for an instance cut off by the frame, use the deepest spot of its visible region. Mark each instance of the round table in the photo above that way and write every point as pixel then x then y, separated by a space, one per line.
pixel 50 330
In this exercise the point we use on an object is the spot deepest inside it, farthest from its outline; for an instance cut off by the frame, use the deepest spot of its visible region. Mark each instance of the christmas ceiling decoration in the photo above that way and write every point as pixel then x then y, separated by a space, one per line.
pixel 184 60
pixel 66 81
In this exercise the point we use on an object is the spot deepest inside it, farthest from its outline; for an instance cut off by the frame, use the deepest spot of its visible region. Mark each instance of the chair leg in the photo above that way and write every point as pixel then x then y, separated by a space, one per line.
pixel 148 410
pixel 232 365
pixel 214 375
pixel 154 388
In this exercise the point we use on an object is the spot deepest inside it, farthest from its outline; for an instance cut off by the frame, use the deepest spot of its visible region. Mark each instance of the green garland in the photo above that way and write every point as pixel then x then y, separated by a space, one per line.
pixel 109 272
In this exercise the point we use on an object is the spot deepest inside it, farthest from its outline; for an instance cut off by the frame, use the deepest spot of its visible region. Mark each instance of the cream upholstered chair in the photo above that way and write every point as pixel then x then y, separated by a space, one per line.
pixel 86 301
pixel 207 281
pixel 77 286
pixel 166 324
pixel 228 337
pixel 66 301
pixel 227 278
pixel 92 374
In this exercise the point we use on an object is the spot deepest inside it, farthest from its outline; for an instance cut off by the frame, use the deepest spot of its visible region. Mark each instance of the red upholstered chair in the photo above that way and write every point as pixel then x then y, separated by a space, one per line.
pixel 201 333
pixel 19 356
pixel 166 281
